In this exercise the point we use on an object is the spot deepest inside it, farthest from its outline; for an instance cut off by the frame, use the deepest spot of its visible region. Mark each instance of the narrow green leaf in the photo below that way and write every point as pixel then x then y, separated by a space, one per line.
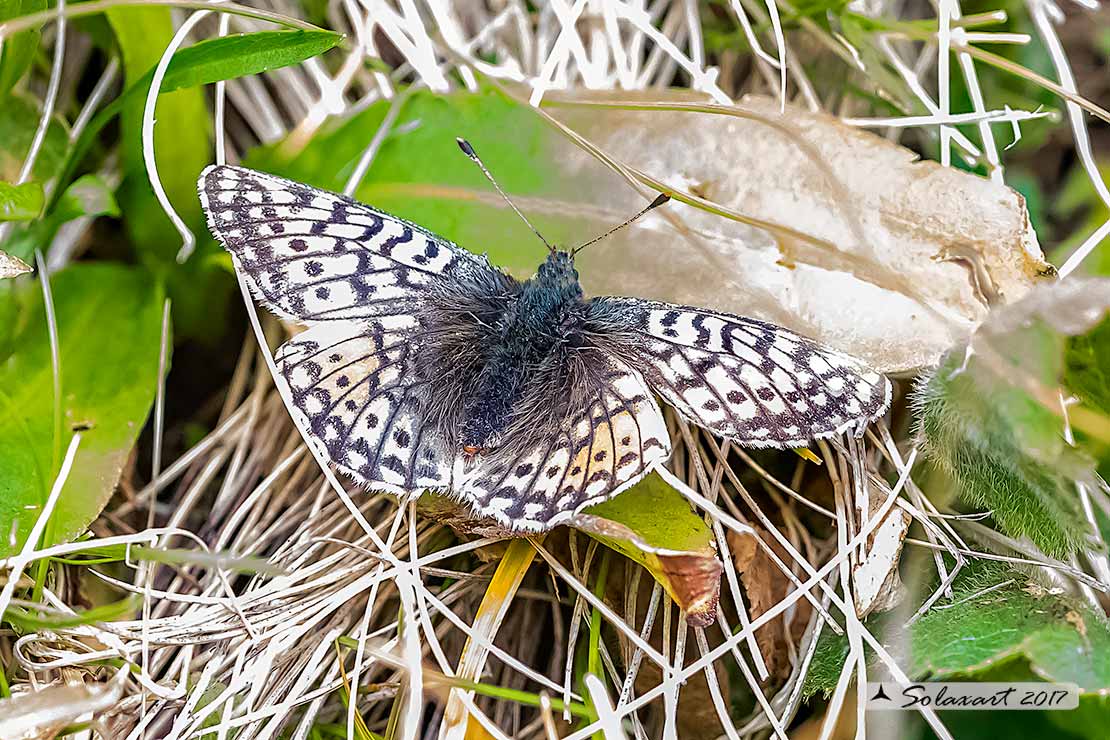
pixel 19 50
pixel 109 320
pixel 181 138
pixel 20 202
pixel 652 524
pixel 208 61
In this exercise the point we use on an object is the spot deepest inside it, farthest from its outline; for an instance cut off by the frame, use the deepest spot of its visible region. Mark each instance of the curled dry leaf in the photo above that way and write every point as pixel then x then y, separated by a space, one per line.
pixel 12 266
pixel 42 714
pixel 859 244
pixel 766 586
pixel 652 524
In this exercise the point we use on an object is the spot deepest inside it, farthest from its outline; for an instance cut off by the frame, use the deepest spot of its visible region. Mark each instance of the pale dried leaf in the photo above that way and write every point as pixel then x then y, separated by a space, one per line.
pixel 866 248
pixel 42 714
pixel 11 266
pixel 876 586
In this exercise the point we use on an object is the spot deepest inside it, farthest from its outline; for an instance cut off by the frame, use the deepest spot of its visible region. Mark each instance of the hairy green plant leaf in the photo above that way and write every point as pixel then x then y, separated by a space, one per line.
pixel 652 524
pixel 20 202
pixel 998 625
pixel 109 329
pixel 993 421
pixel 19 50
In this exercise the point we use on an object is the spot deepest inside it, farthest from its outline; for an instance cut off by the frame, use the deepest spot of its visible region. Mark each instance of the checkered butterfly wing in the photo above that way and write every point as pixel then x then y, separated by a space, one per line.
pixel 605 444
pixel 755 383
pixel 311 256
pixel 358 277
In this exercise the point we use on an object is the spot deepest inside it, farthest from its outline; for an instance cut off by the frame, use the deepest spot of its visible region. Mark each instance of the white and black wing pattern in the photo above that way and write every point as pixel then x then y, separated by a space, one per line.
pixel 310 255
pixel 613 440
pixel 360 393
pixel 753 382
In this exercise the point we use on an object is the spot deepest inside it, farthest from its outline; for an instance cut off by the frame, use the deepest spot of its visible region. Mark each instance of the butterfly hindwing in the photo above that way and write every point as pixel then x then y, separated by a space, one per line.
pixel 753 382
pixel 364 402
pixel 311 255
pixel 615 438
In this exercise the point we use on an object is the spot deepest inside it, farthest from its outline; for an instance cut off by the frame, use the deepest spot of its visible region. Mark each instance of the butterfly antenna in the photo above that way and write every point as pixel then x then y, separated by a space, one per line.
pixel 468 150
pixel 659 200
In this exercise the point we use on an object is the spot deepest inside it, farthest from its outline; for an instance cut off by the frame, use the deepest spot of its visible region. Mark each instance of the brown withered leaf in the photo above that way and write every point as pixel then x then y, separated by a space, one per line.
pixel 765 586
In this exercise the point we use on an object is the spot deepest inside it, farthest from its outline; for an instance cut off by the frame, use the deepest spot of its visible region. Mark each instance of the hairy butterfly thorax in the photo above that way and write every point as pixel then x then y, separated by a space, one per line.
pixel 534 335
pixel 423 366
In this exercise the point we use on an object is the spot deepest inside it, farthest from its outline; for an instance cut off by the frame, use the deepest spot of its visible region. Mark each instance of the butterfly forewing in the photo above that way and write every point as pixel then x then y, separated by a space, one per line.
pixel 615 438
pixel 365 402
pixel 753 382
pixel 311 255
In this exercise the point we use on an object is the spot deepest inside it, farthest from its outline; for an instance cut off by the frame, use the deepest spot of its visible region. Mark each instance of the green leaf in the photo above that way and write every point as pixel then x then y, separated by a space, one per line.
pixel 980 435
pixel 1087 371
pixel 652 524
pixel 420 174
pixel 229 57
pixel 998 625
pixel 1062 639
pixel 181 138
pixel 19 117
pixel 109 321
pixel 87 196
pixel 210 61
pixel 993 423
pixel 20 202
pixel 19 50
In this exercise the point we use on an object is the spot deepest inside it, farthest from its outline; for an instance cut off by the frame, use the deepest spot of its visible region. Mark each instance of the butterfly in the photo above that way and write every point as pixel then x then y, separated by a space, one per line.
pixel 425 367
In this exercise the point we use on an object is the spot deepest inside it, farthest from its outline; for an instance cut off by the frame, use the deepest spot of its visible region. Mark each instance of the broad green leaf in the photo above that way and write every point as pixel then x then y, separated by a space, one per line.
pixel 19 117
pixel 1062 639
pixel 992 421
pixel 86 196
pixel 109 330
pixel 19 50
pixel 1018 630
pixel 181 138
pixel 20 202
pixel 421 175
pixel 652 524
pixel 210 61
